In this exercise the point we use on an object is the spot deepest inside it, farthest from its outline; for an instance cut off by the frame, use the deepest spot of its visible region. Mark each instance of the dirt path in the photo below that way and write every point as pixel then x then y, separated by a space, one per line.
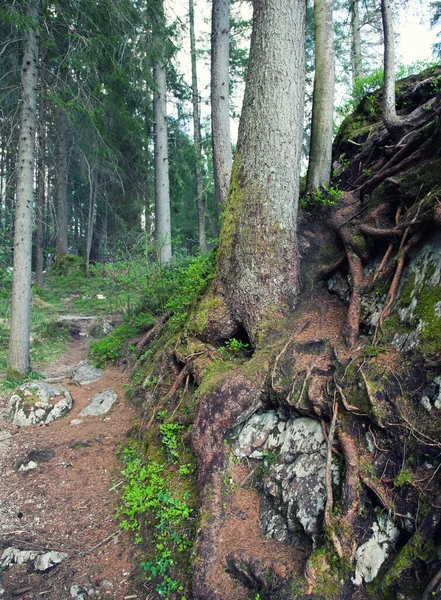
pixel 67 503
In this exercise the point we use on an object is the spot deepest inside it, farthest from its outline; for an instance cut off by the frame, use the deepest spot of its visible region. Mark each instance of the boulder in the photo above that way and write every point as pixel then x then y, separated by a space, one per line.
pixel 46 561
pixel 38 402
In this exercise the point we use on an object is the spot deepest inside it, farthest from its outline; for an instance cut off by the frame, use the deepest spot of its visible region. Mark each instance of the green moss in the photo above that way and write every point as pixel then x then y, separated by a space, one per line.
pixel 415 549
pixel 408 290
pixel 430 335
pixel 206 309
pixel 404 477
pixel 234 201
pixel 329 572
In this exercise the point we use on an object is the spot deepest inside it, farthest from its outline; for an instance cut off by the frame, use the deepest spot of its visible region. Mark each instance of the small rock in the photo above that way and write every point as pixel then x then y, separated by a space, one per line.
pixel 78 593
pixel 46 561
pixel 13 555
pixel 425 403
pixel 76 421
pixel 30 466
pixel 85 373
pixel 101 403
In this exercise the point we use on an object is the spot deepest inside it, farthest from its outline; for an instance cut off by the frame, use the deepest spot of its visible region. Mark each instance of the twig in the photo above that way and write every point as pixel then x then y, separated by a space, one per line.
pixel 250 474
pixel 104 541
pixel 328 482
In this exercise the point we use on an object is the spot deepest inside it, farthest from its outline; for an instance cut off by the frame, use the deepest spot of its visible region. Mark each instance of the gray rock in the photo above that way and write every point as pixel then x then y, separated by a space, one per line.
pixel 76 422
pixel 371 555
pixel 38 402
pixel 405 342
pixel 303 436
pixel 425 403
pixel 85 373
pixel 101 403
pixel 30 466
pixel 253 436
pixel 78 593
pixel 46 561
pixel 13 556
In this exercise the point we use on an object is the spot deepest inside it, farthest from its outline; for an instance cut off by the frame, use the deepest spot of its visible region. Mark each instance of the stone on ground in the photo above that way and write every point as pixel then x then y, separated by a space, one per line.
pixel 85 373
pixel 101 404
pixel 38 402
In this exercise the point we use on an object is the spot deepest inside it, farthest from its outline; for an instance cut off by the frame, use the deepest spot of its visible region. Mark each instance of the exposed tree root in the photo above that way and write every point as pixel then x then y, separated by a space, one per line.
pixel 152 333
pixel 329 518
pixel 433 586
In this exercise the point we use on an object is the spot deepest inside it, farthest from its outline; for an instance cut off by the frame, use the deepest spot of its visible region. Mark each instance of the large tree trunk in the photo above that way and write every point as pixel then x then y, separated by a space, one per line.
pixel 320 154
pixel 162 186
pixel 62 171
pixel 19 360
pixel 197 134
pixel 357 70
pixel 41 181
pixel 258 258
pixel 220 99
pixel 391 120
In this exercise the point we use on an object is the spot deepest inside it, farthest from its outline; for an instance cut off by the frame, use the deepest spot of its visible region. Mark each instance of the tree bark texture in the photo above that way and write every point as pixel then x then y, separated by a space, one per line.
pixel 62 174
pixel 391 120
pixel 220 99
pixel 197 134
pixel 162 186
pixel 18 359
pixel 41 181
pixel 357 70
pixel 320 154
pixel 258 256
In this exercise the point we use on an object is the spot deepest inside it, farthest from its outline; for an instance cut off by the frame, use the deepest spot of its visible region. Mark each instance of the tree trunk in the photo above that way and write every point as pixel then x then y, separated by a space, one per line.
pixel 220 99
pixel 357 70
pixel 62 171
pixel 197 134
pixel 320 154
pixel 258 257
pixel 19 360
pixel 41 183
pixel 391 120
pixel 162 187
pixel 93 184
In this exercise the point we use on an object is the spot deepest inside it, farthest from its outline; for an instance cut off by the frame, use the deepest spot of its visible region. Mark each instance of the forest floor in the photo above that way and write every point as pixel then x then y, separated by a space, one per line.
pixel 68 503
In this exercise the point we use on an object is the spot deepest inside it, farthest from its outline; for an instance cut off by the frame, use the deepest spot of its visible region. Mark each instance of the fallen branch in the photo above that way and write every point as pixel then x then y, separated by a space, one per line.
pixel 104 541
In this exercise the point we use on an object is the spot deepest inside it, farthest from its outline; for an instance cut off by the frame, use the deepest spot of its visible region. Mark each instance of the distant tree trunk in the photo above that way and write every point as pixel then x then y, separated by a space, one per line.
pixel 258 269
pixel 320 154
pixel 162 185
pixel 93 184
pixel 62 172
pixel 41 182
pixel 357 70
pixel 19 359
pixel 197 135
pixel 220 99
pixel 392 121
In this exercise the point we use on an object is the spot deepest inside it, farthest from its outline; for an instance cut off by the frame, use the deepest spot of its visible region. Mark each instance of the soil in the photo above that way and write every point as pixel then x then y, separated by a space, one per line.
pixel 68 502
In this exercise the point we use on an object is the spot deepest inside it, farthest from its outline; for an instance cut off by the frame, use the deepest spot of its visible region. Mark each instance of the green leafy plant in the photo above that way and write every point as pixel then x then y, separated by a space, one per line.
pixel 170 435
pixel 328 196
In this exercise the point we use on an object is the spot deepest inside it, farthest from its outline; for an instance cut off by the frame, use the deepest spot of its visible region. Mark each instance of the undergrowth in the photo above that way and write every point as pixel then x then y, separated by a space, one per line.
pixel 157 499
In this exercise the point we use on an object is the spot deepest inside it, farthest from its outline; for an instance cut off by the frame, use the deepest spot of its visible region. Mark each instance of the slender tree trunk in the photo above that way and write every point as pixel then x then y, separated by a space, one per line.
pixel 220 99
pixel 90 215
pixel 391 120
pixel 197 134
pixel 62 172
pixel 162 186
pixel 41 183
pixel 258 256
pixel 320 154
pixel 19 359
pixel 357 70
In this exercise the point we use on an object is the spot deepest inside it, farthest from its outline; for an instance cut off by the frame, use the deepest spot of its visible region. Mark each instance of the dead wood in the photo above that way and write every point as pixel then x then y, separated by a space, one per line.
pixel 152 332
pixel 329 519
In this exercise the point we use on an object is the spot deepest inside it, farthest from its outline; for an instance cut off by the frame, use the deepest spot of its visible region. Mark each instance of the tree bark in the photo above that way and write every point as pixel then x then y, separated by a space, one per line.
pixel 197 135
pixel 258 257
pixel 162 186
pixel 392 121
pixel 41 183
pixel 62 173
pixel 320 154
pixel 19 358
pixel 220 99
pixel 357 70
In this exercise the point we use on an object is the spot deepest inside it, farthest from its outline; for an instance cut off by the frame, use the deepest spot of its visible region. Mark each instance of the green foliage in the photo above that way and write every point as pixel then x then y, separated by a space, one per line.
pixel 328 196
pixel 170 435
pixel 153 496
pixel 234 348
pixel 404 477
